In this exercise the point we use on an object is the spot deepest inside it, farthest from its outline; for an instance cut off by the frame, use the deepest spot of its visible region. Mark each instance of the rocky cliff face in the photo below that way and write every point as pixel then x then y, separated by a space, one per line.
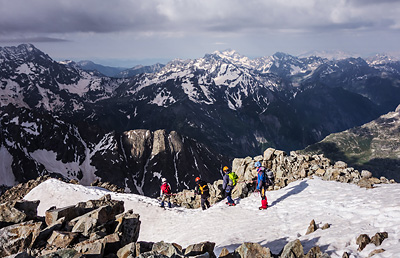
pixel 35 144
pixel 374 146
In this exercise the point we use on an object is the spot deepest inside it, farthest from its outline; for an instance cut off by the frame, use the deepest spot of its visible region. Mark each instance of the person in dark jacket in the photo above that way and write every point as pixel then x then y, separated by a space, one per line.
pixel 204 192
pixel 227 186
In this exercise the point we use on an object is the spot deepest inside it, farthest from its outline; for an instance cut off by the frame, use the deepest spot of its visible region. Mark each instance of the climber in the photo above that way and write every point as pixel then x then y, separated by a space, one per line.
pixel 227 186
pixel 262 184
pixel 165 193
pixel 204 192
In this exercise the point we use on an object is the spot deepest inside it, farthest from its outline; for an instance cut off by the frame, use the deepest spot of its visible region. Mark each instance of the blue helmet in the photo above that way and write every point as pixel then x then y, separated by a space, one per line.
pixel 257 164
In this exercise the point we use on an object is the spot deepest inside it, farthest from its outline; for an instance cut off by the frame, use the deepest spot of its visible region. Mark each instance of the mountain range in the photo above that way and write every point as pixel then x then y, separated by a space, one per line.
pixel 220 106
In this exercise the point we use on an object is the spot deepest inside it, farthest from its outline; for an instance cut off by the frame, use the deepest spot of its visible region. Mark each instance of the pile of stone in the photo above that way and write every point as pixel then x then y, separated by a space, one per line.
pixel 97 228
pixel 287 169
pixel 19 191
pixel 108 186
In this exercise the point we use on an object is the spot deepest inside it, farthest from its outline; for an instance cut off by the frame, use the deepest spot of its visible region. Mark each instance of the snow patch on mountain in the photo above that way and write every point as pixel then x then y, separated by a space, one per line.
pixel 163 99
pixel 50 162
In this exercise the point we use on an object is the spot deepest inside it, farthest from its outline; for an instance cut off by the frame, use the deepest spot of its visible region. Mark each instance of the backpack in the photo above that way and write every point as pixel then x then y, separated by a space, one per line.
pixel 233 178
pixel 203 188
pixel 269 176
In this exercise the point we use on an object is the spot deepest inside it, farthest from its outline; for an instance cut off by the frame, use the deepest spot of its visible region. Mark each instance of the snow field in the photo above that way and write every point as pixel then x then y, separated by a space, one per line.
pixel 347 208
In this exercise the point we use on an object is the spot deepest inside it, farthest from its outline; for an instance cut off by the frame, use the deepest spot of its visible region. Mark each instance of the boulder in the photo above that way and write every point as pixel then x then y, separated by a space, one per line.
pixel 69 213
pixel 364 182
pixel 325 226
pixel 125 251
pixel 142 247
pixel 112 243
pixel 28 207
pixel 62 239
pixel 10 215
pixel 225 254
pixel 72 212
pixel 269 154
pixel 200 248
pixel 316 252
pixel 312 227
pixel 87 223
pixel 340 165
pixel 128 226
pixel 362 241
pixel 293 249
pixel 44 234
pixel 377 251
pixel 17 238
pixel 378 238
pixel 89 247
pixel 167 249
pixel 253 250
pixel 366 174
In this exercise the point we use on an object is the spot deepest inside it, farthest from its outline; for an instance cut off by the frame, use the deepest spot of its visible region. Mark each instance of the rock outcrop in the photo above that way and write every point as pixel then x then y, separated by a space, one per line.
pixel 287 169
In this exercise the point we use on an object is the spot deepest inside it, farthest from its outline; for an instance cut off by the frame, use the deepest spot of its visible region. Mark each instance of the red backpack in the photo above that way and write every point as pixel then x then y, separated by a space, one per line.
pixel 165 188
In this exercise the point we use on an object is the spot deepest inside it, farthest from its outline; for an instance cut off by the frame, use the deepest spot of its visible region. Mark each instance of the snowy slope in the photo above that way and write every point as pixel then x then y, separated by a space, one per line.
pixel 348 209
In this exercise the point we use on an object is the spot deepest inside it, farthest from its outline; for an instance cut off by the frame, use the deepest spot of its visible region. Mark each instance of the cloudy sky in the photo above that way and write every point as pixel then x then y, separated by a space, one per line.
pixel 128 32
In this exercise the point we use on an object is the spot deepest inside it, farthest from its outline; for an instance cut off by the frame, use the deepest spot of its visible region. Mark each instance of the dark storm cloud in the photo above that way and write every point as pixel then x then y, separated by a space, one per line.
pixel 66 16
pixel 19 17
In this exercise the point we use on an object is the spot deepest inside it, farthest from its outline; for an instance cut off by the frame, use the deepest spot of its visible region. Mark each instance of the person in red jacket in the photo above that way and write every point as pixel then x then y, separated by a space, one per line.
pixel 165 193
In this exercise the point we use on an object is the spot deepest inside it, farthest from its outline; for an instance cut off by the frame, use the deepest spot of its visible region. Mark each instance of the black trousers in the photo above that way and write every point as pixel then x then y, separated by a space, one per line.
pixel 204 202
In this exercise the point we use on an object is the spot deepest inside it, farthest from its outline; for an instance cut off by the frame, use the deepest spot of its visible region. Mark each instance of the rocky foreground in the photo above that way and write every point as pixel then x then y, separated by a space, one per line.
pixel 102 228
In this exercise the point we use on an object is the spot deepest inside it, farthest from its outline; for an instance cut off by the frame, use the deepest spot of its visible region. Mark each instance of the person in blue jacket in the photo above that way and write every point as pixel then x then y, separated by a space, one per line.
pixel 262 184
pixel 227 186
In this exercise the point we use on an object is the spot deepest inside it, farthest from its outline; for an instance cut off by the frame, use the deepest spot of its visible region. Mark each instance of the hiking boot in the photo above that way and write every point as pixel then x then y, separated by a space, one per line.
pixel 263 208
pixel 231 204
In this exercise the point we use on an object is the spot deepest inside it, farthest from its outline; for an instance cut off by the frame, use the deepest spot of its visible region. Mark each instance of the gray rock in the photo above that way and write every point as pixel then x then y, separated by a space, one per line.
pixel 225 254
pixel 167 249
pixel 142 247
pixel 87 223
pixel 312 227
pixel 200 248
pixel 362 241
pixel 293 249
pixel 340 165
pixel 377 251
pixel 316 252
pixel 69 213
pixel 378 238
pixel 128 226
pixel 9 214
pixel 125 251
pixel 91 247
pixel 17 238
pixel 61 239
pixel 28 207
pixel 366 174
pixel 252 250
